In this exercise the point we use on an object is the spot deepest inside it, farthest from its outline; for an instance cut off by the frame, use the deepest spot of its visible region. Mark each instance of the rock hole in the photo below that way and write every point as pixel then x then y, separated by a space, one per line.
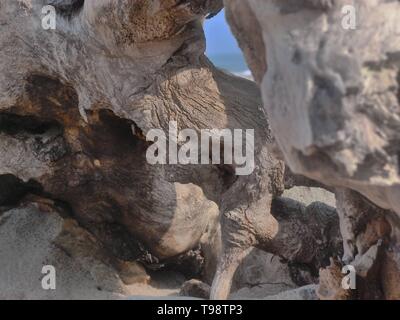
pixel 13 124
pixel 67 8
pixel 13 189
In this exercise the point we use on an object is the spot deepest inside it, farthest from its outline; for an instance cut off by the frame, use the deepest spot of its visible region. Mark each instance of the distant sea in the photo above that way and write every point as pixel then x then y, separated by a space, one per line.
pixel 232 62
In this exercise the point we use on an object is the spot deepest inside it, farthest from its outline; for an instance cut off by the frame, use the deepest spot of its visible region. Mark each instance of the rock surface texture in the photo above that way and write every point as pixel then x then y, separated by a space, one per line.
pixel 332 96
pixel 77 191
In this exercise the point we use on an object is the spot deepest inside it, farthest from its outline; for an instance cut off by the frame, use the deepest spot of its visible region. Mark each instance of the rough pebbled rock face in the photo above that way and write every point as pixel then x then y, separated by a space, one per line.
pixel 332 97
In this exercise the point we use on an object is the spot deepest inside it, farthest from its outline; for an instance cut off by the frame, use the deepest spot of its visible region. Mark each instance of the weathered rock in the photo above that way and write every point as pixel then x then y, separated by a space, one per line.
pixel 211 247
pixel 262 292
pixel 391 274
pixel 334 108
pixel 309 195
pixel 261 273
pixel 195 288
pixel 76 130
pixel 77 102
pixel 340 93
pixel 303 293
pixel 330 286
pixel 304 235
pixel 33 238
pixel 86 95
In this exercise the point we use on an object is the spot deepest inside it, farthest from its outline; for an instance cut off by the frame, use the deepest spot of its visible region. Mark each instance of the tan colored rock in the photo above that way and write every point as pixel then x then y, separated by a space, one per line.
pixel 87 95
pixel 391 274
pixel 330 285
pixel 331 95
pixel 195 288
pixel 32 239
